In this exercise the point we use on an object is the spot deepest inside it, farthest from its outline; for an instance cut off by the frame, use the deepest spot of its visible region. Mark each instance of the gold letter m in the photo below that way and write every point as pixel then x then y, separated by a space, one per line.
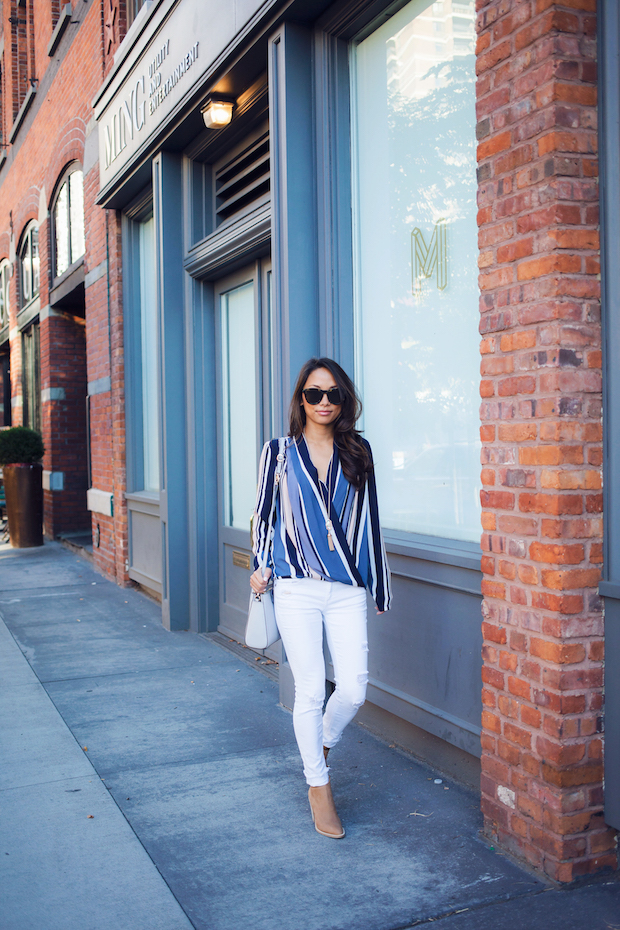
pixel 426 259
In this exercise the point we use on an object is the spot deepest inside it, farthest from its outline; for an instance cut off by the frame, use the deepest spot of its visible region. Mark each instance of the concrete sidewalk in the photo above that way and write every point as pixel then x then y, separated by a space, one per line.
pixel 150 780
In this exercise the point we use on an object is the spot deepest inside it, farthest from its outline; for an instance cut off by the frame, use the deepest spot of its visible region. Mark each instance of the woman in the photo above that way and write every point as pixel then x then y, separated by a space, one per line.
pixel 326 549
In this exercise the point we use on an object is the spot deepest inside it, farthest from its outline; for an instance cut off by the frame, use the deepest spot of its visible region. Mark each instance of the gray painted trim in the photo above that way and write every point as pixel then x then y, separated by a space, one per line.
pixel 63 21
pixel 28 314
pixel 4 334
pixel 234 244
pixel 432 719
pixel 333 165
pixel 294 225
pixel 19 119
pixel 96 273
pixel 428 708
pixel 609 136
pixel 100 386
pixel 408 568
pixel 434 549
pixel 200 374
pixel 609 132
pixel 143 502
pixel 167 212
pixel 609 589
pixel 145 580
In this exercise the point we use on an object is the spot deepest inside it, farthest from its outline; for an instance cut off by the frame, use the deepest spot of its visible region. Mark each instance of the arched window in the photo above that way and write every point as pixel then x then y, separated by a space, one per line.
pixel 5 274
pixel 69 222
pixel 29 264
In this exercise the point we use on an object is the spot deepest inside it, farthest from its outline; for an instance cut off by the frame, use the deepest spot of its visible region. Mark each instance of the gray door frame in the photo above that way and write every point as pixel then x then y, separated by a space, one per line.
pixel 233 578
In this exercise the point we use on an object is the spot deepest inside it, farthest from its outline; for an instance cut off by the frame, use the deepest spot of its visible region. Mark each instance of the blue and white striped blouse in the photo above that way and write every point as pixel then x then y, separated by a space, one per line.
pixel 300 547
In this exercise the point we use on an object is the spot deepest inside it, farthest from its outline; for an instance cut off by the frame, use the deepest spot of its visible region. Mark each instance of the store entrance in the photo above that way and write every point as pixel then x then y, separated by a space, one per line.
pixel 243 315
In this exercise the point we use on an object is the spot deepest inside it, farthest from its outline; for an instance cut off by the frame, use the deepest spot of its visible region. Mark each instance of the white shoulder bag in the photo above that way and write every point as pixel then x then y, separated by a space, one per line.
pixel 261 629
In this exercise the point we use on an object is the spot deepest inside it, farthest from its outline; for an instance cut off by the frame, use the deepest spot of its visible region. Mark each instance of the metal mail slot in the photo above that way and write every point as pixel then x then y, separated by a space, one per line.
pixel 241 559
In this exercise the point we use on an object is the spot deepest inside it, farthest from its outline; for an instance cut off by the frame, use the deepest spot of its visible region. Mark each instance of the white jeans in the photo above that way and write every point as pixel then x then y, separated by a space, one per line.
pixel 302 606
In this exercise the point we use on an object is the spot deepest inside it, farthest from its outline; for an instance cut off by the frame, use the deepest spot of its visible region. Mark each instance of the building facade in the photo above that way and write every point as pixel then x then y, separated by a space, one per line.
pixel 378 182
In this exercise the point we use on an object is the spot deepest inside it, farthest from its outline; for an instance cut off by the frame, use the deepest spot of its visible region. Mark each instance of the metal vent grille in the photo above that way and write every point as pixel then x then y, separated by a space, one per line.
pixel 244 179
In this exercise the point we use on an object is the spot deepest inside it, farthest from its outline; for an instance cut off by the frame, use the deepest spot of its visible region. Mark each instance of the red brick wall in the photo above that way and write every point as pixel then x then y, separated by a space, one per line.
pixel 27 186
pixel 541 432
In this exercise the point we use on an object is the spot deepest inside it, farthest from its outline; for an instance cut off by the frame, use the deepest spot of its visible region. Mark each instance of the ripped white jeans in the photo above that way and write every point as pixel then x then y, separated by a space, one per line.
pixel 302 606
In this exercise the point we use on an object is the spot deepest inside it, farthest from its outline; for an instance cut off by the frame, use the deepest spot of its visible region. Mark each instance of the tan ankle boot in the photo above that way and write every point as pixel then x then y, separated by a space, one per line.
pixel 326 820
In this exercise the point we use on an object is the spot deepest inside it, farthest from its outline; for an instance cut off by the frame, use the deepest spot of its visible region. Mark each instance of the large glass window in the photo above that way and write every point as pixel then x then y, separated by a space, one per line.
pixel 5 276
pixel 416 265
pixel 69 222
pixel 238 403
pixel 148 347
pixel 29 265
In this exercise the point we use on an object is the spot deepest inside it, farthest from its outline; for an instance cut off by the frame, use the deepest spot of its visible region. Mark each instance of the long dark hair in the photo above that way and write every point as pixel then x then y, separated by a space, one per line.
pixel 354 455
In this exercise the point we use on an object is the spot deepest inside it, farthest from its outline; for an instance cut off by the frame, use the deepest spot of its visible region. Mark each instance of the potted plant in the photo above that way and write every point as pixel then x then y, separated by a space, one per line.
pixel 21 451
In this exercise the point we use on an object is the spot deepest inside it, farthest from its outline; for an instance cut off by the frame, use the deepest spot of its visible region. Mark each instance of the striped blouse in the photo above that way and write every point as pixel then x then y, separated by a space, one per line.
pixel 300 547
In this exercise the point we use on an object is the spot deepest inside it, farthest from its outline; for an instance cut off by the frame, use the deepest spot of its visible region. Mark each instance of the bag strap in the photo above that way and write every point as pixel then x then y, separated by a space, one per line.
pixel 281 459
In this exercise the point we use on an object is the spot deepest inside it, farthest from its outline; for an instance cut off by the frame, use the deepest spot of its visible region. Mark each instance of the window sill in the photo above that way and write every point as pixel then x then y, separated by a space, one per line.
pixel 67 292
pixel 19 119
pixel 434 549
pixel 29 313
pixel 143 502
pixel 63 21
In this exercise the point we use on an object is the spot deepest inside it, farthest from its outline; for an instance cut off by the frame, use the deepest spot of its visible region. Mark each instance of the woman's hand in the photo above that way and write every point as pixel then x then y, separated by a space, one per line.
pixel 258 581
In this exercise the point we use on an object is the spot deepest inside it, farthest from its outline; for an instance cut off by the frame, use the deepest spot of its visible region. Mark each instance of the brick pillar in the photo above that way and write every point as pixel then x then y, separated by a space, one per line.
pixel 542 744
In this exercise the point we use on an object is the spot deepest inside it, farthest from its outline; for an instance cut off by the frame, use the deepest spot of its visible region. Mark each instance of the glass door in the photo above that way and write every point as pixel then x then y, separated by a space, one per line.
pixel 244 405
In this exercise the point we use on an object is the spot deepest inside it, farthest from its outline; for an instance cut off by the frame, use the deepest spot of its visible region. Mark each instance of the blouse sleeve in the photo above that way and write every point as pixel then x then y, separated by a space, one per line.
pixel 380 575
pixel 264 498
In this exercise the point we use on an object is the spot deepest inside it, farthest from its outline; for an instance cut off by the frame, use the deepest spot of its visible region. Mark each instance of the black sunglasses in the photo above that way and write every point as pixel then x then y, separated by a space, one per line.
pixel 314 396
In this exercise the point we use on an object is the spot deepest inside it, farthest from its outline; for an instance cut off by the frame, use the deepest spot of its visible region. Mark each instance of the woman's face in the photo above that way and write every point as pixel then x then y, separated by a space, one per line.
pixel 322 413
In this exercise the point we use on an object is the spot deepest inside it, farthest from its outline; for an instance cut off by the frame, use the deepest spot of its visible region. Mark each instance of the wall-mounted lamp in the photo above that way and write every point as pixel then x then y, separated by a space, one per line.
pixel 217 112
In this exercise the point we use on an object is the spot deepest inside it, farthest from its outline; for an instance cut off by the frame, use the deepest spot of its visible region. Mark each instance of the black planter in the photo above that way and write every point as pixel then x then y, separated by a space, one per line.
pixel 23 486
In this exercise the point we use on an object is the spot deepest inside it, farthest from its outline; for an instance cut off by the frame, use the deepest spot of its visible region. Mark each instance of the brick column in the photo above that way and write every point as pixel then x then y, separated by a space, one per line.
pixel 541 431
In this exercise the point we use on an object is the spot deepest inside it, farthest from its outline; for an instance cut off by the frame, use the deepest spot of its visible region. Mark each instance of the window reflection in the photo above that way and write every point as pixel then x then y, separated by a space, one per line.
pixel 148 351
pixel 416 288
pixel 69 222
pixel 29 265
pixel 239 404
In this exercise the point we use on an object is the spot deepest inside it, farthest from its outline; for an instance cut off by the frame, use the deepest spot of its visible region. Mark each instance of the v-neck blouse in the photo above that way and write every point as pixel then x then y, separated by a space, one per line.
pixel 299 547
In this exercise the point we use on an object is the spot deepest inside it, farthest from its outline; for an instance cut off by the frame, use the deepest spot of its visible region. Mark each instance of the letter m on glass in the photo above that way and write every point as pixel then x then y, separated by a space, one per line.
pixel 426 259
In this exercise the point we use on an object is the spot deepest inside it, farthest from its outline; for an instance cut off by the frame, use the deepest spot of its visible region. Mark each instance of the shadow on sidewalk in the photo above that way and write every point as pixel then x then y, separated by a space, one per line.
pixel 191 749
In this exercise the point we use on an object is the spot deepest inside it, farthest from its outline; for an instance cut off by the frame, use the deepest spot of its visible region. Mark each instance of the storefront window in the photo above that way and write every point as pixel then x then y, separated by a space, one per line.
pixel 29 265
pixel 238 404
pixel 416 265
pixel 69 222
pixel 148 346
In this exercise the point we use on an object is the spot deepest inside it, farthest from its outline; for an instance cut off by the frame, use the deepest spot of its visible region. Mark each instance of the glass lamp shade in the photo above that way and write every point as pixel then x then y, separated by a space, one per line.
pixel 217 114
